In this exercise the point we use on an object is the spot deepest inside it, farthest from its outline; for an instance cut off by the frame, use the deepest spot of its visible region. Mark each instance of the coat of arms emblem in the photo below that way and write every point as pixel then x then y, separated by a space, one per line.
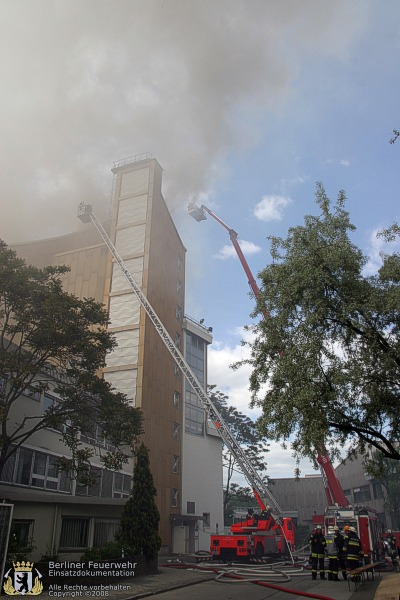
pixel 23 579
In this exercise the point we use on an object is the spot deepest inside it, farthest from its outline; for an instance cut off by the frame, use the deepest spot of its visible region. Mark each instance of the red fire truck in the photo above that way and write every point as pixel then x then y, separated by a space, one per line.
pixel 256 536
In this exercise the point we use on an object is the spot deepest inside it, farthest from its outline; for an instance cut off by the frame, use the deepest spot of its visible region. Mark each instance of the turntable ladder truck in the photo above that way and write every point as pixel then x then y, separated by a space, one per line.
pixel 276 534
pixel 338 511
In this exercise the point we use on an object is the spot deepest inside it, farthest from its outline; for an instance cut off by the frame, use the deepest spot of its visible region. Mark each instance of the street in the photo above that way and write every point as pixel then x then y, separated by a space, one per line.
pixel 216 590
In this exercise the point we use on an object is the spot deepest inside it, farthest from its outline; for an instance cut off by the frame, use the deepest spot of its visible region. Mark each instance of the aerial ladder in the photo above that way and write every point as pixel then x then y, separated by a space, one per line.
pixel 264 497
pixel 333 490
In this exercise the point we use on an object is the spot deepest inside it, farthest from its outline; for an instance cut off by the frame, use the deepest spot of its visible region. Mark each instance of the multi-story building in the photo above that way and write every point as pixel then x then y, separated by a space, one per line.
pixel 141 366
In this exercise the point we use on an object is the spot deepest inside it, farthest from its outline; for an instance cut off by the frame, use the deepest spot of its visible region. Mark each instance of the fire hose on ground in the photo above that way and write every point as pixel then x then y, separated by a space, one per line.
pixel 264 576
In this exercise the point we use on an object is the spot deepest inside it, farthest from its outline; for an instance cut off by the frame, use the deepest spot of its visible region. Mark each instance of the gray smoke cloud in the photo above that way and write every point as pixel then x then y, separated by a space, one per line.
pixel 88 82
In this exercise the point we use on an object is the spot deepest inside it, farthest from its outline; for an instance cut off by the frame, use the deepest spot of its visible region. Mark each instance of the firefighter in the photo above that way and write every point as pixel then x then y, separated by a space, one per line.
pixel 392 547
pixel 391 540
pixel 332 555
pixel 250 514
pixel 317 542
pixel 352 549
pixel 266 513
pixel 334 543
pixel 339 541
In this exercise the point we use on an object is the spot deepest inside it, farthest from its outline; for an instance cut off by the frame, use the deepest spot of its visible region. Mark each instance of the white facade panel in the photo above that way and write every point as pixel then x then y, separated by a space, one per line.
pixel 135 182
pixel 130 240
pixel 127 350
pixel 124 310
pixel 124 382
pixel 132 210
pixel 135 268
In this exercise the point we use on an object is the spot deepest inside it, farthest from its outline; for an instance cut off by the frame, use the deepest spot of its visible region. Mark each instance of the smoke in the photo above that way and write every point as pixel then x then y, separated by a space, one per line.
pixel 88 83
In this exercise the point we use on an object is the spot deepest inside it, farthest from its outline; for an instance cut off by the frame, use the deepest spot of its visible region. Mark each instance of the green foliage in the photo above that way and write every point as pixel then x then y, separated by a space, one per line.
pixel 18 551
pixel 301 536
pixel 238 497
pixel 387 472
pixel 396 134
pixel 53 341
pixel 140 519
pixel 326 362
pixel 247 435
pixel 108 551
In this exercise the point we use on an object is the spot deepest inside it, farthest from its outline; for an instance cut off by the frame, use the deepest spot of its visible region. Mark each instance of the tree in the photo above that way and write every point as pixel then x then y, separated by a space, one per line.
pixel 387 472
pixel 53 342
pixel 326 362
pixel 396 134
pixel 239 497
pixel 247 436
pixel 140 518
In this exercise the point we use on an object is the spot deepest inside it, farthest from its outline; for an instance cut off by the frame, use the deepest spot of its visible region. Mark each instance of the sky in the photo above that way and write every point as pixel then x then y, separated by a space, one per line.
pixel 246 104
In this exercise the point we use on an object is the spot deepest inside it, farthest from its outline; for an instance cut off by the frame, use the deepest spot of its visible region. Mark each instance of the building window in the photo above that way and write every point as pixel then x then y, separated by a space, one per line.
pixel 8 469
pixel 178 313
pixel 45 471
pixel 206 519
pixel 94 488
pixel 122 485
pixel 74 533
pixel 31 392
pixel 104 531
pixel 377 490
pixel 175 431
pixel 3 385
pixel 50 407
pixel 36 469
pixel 94 435
pixel 177 399
pixel 191 508
pixel 178 340
pixel 180 262
pixel 175 463
pixel 177 371
pixel 194 421
pixel 194 354
pixel 194 411
pixel 24 466
pixel 362 494
pixel 22 532
pixel 179 287
pixel 174 498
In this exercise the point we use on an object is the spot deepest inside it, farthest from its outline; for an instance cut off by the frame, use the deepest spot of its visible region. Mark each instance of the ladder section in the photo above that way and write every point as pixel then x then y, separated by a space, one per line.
pixel 261 491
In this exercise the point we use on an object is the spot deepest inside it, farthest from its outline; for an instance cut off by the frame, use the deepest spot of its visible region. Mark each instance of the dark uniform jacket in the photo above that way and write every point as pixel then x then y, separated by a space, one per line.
pixel 317 542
